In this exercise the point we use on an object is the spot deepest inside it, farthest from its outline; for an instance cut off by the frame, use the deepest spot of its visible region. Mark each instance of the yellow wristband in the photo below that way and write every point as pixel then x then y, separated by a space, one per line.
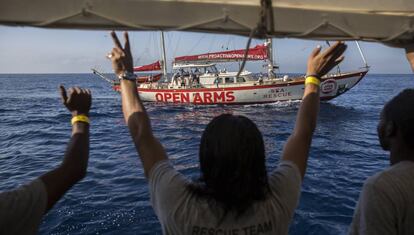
pixel 312 80
pixel 80 118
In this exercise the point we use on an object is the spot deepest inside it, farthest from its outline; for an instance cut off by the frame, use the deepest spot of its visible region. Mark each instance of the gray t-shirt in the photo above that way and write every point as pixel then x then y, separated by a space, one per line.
pixel 386 203
pixel 180 212
pixel 22 209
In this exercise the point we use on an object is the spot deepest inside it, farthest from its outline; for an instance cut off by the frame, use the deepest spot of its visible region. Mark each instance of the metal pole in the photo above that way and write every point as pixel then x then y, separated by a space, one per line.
pixel 164 60
pixel 269 45
pixel 362 55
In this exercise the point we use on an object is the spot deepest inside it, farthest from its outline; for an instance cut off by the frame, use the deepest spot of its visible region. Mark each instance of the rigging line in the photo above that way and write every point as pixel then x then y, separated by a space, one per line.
pixel 228 42
pixel 263 28
pixel 143 53
pixel 168 38
pixel 196 44
pixel 152 50
pixel 137 57
pixel 157 44
pixel 151 45
pixel 211 43
pixel 252 32
pixel 177 44
pixel 362 55
pixel 276 55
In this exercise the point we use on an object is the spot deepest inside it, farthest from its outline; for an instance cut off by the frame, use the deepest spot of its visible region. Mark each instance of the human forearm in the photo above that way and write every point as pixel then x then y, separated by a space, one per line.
pixel 75 161
pixel 308 112
pixel 131 102
pixel 73 167
pixel 297 147
pixel 319 64
pixel 77 152
pixel 148 147
pixel 134 111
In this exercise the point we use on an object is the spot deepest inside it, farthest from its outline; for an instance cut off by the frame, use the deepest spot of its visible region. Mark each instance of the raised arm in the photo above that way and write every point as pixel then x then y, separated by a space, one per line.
pixel 148 147
pixel 75 162
pixel 299 142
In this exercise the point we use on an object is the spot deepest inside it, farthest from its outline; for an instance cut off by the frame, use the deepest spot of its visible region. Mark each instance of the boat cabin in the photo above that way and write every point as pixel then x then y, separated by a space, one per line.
pixel 206 74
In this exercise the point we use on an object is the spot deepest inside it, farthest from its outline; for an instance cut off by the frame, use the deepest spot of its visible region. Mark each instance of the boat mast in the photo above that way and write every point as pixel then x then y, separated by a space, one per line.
pixel 164 60
pixel 269 46
pixel 362 55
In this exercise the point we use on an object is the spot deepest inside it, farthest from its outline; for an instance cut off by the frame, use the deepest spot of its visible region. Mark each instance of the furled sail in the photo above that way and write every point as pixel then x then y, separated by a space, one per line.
pixel 258 52
pixel 149 67
pixel 372 20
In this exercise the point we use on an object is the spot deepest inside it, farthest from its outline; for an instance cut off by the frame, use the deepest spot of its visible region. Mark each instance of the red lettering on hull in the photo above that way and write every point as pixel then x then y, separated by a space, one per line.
pixel 198 97
pixel 230 96
pixel 185 97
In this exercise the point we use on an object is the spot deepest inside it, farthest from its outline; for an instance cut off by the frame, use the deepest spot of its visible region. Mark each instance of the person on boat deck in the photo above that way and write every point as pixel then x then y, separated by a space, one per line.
pixel 386 202
pixel 234 194
pixel 216 81
pixel 22 209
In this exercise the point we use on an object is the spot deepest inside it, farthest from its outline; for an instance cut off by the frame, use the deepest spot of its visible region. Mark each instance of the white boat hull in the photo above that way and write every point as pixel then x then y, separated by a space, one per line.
pixel 331 87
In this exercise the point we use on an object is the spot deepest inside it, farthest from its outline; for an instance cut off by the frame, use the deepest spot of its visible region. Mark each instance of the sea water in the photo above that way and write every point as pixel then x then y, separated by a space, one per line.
pixel 113 198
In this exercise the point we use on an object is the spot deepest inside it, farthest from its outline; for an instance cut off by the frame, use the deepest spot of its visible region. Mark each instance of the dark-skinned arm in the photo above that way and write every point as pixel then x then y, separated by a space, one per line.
pixel 147 145
pixel 75 162
pixel 298 144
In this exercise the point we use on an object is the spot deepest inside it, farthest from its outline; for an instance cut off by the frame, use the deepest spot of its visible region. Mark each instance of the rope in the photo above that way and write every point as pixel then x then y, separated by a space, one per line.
pixel 264 28
pixel 198 42
pixel 246 52
pixel 266 25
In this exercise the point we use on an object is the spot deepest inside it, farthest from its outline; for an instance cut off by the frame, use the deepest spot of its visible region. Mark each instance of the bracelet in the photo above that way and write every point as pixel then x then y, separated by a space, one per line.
pixel 127 76
pixel 80 118
pixel 312 80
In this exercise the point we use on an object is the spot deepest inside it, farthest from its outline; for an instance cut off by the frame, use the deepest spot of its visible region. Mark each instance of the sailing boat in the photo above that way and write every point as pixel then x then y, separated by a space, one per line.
pixel 198 81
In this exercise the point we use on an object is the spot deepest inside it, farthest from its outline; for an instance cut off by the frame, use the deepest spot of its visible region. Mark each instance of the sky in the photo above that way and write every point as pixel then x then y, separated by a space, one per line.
pixel 36 50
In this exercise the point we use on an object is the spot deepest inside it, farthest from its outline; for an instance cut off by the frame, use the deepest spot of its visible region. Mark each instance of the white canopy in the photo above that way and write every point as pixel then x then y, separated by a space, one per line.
pixel 372 20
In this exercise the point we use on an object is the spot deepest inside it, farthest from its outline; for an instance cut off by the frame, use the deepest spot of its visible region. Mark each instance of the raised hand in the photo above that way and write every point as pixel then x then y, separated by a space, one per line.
pixel 320 64
pixel 121 57
pixel 79 100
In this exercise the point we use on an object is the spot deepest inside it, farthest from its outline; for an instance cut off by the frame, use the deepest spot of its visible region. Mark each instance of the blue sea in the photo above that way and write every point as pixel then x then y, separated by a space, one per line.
pixel 113 198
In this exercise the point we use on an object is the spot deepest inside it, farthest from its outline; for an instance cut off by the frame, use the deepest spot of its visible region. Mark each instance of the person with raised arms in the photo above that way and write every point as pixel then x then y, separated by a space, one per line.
pixel 234 194
pixel 22 209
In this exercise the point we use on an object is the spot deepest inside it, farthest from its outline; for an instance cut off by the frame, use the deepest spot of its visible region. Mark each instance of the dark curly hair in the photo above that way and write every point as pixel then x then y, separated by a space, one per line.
pixel 400 110
pixel 232 163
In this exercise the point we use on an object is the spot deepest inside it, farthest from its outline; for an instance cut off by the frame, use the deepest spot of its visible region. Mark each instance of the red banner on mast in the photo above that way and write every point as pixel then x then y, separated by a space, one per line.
pixel 149 67
pixel 258 52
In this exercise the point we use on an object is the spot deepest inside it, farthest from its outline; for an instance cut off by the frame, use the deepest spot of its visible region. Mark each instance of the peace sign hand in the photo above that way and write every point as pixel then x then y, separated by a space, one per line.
pixel 121 57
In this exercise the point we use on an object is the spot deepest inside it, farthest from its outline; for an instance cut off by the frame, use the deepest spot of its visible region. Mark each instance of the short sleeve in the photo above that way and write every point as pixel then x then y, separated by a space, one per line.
pixel 285 183
pixel 167 187
pixel 22 209
pixel 375 212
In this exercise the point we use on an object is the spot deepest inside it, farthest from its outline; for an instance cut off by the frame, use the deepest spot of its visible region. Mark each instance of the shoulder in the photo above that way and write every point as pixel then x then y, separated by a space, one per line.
pixel 163 170
pixel 392 177
pixel 22 209
pixel 34 190
pixel 167 187
pixel 286 171
pixel 285 184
